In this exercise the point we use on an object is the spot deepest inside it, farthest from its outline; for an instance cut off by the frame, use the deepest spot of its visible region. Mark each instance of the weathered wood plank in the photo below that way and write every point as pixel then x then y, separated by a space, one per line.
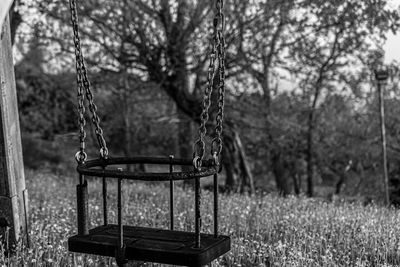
pixel 12 177
pixel 4 8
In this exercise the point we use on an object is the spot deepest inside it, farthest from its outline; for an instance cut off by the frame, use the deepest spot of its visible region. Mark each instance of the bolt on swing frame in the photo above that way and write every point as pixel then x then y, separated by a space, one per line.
pixel 213 245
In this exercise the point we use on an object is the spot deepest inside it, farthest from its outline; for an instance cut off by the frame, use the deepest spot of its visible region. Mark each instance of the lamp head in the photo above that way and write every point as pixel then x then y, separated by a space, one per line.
pixel 382 74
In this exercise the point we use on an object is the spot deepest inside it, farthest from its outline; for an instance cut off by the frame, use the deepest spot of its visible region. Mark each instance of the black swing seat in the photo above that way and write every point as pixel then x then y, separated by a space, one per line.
pixel 141 243
pixel 149 244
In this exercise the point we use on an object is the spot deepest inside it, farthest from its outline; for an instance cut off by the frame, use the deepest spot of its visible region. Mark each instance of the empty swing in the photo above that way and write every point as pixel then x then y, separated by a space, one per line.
pixel 126 242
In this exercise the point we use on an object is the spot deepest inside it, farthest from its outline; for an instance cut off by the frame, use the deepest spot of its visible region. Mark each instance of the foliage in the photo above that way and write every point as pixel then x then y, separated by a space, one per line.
pixel 266 230
pixel 299 85
pixel 44 99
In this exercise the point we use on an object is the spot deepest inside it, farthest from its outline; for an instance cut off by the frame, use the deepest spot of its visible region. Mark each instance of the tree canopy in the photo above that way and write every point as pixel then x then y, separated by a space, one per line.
pixel 298 77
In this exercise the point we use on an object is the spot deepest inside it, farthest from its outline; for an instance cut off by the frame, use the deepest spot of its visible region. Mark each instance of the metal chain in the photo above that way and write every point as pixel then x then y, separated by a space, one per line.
pixel 80 156
pixel 84 88
pixel 216 144
pixel 216 48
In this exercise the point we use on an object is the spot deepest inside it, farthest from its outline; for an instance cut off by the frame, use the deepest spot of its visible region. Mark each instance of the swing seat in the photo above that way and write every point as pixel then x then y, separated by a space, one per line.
pixel 149 244
pixel 141 243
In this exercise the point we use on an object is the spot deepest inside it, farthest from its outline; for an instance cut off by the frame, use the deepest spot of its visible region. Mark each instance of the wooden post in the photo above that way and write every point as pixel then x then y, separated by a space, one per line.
pixel 4 8
pixel 13 194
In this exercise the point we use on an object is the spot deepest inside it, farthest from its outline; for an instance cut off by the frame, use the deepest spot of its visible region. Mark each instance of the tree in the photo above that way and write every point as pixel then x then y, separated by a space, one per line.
pixel 44 101
pixel 337 34
pixel 263 38
pixel 163 45
pixel 162 42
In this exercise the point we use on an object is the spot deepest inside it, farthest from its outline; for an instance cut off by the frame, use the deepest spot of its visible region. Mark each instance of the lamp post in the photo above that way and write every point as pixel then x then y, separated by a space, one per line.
pixel 381 76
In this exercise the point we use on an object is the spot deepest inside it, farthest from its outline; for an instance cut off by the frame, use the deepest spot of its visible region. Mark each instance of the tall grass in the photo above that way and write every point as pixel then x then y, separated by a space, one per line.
pixel 265 230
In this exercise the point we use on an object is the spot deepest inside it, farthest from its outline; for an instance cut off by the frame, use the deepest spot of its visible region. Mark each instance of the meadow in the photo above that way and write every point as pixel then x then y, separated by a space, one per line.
pixel 266 230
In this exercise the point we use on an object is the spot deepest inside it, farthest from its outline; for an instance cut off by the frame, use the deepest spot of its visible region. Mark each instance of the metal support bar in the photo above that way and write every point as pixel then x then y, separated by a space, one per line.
pixel 171 193
pixel 216 205
pixel 120 251
pixel 82 207
pixel 81 179
pixel 120 226
pixel 105 208
pixel 197 211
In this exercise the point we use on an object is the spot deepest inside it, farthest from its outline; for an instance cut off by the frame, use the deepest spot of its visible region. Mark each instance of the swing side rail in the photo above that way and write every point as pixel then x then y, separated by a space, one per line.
pixel 97 168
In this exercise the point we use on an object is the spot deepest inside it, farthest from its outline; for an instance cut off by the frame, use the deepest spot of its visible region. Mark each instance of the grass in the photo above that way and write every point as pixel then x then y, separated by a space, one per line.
pixel 265 230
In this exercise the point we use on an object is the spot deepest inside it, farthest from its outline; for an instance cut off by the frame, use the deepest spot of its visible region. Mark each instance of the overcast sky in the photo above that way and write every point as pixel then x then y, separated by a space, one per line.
pixel 392 46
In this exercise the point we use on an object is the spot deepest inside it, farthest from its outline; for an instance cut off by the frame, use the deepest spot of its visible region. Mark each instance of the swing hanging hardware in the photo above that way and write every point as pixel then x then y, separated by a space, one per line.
pixel 125 242
pixel 217 52
pixel 216 159
pixel 197 163
pixel 80 157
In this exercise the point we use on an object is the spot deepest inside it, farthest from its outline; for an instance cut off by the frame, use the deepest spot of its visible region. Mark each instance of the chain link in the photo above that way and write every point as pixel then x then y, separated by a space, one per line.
pixel 84 89
pixel 217 49
pixel 216 145
pixel 200 144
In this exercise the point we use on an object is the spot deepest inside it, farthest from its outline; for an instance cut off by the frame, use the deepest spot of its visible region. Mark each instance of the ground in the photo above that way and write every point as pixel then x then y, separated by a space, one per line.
pixel 266 230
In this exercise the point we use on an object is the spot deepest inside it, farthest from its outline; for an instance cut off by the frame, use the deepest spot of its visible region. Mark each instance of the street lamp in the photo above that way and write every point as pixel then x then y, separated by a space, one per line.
pixel 381 76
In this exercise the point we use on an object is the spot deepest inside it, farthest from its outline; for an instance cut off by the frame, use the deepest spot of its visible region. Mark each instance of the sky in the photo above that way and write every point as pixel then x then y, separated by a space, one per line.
pixel 392 46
